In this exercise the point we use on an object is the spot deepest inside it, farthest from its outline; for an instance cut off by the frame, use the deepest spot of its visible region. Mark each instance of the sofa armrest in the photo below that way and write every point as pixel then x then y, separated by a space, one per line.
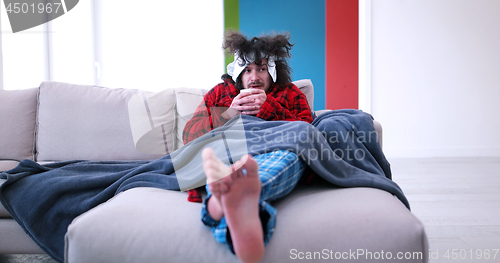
pixel 376 124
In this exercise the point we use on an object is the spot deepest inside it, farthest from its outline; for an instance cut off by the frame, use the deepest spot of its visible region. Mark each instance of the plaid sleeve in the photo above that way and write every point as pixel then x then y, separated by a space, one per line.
pixel 207 115
pixel 194 195
pixel 286 103
pixel 199 124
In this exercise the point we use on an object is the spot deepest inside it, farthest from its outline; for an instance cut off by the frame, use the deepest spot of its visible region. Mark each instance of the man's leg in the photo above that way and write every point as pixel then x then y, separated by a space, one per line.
pixel 235 195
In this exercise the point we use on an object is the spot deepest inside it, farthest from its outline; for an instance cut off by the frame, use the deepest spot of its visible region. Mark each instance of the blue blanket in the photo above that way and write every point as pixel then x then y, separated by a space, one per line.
pixel 340 146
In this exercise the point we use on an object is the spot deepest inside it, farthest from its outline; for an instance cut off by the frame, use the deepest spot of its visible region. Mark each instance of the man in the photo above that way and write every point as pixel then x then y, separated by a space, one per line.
pixel 258 83
pixel 260 67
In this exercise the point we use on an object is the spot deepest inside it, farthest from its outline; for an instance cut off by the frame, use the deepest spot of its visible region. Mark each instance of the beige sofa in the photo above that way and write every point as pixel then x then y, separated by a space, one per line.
pixel 60 121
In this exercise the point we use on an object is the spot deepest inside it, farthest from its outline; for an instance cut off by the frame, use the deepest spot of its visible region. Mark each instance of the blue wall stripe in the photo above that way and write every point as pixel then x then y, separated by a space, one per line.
pixel 305 20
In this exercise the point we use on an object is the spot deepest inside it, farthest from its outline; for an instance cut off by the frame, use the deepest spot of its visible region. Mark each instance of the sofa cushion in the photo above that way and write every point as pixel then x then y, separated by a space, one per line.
pixel 17 123
pixel 3 211
pixel 187 100
pixel 14 240
pixel 85 122
pixel 306 86
pixel 153 122
pixel 7 165
pixel 4 166
pixel 164 225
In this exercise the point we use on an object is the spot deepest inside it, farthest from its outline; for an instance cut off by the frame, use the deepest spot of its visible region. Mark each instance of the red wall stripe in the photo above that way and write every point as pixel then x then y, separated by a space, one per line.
pixel 341 54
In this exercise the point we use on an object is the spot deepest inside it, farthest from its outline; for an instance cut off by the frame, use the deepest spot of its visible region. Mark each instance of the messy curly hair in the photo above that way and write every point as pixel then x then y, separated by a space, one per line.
pixel 261 47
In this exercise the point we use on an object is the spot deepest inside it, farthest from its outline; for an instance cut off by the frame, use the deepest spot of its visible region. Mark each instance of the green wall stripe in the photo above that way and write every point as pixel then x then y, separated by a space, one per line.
pixel 231 21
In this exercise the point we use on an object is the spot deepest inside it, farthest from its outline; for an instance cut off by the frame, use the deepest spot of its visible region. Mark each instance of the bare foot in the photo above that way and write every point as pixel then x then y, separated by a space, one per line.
pixel 237 198
pixel 218 181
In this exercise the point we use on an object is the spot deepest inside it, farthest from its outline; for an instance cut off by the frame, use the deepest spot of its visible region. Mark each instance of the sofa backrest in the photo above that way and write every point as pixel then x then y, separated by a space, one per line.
pixel 187 99
pixel 77 122
pixel 61 121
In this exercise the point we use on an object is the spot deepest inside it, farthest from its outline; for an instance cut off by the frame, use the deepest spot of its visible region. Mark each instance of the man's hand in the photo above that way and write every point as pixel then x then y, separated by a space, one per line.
pixel 248 102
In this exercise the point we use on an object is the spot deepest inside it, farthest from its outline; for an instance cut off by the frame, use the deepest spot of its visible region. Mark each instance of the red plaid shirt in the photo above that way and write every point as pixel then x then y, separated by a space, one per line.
pixel 284 103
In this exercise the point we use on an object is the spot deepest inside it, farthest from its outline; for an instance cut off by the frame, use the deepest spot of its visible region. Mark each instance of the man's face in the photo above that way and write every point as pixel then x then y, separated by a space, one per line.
pixel 256 77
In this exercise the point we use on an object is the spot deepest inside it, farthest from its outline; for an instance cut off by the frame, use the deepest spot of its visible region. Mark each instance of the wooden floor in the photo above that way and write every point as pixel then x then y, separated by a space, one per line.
pixel 457 200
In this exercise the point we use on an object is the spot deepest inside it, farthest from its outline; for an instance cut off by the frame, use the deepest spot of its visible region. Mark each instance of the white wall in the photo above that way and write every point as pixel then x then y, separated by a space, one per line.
pixel 435 76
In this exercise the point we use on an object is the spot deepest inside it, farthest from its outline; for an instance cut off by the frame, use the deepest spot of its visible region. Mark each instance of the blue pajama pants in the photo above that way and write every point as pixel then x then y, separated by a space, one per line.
pixel 279 172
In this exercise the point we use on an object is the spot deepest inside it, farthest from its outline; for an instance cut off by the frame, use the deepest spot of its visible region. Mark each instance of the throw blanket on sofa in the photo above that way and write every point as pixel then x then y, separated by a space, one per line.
pixel 340 146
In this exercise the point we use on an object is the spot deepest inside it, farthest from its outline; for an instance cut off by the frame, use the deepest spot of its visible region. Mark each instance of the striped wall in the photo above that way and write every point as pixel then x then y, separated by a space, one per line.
pixel 325 33
pixel 341 54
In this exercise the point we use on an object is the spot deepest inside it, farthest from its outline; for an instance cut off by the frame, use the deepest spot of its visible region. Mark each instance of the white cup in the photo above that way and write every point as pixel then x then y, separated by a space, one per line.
pixel 245 90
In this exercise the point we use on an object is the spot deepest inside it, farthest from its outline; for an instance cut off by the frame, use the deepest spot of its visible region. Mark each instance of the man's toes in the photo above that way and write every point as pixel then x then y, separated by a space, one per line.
pixel 213 187
pixel 209 168
pixel 207 154
pixel 222 185
pixel 251 167
pixel 236 165
pixel 239 173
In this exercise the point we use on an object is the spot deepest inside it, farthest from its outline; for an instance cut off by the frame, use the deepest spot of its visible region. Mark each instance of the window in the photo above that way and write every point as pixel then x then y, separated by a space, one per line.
pixel 119 44
pixel 22 55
